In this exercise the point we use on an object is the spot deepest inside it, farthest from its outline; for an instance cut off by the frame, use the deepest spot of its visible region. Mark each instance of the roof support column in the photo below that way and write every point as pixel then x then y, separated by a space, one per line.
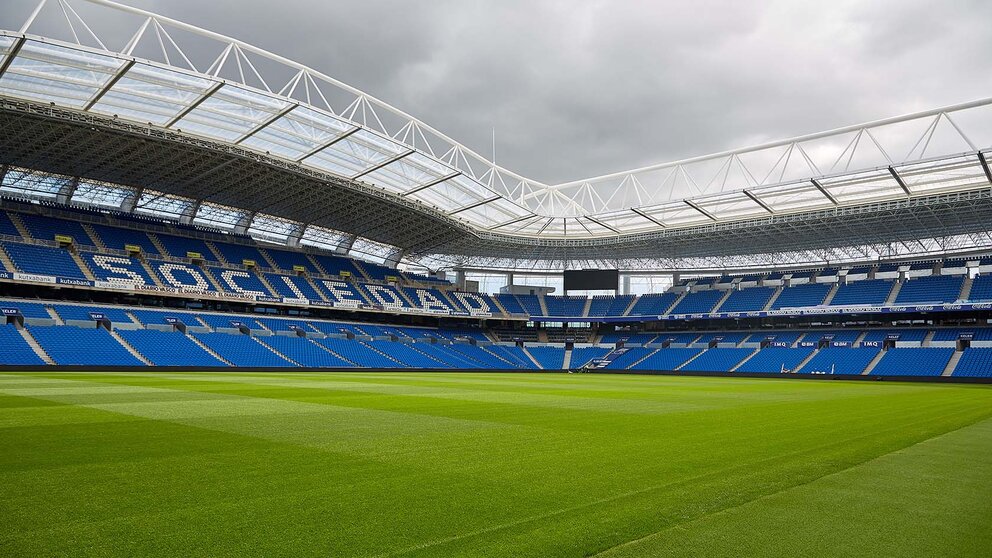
pixel 297 235
pixel 244 223
pixel 131 201
pixel 346 243
pixel 393 259
pixel 65 193
pixel 190 213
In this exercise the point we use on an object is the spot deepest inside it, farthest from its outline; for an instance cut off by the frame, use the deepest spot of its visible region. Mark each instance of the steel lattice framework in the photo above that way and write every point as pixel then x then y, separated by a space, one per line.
pixel 251 141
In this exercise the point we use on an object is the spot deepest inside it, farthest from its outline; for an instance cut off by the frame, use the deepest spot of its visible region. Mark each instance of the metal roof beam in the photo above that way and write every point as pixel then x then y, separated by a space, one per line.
pixel 385 163
pixel 14 50
pixel 823 190
pixel 511 221
pixel 700 209
pixel 265 123
pixel 189 108
pixel 474 205
pixel 600 223
pixel 899 181
pixel 324 146
pixel 110 84
pixel 649 218
pixel 455 174
pixel 758 201
pixel 985 166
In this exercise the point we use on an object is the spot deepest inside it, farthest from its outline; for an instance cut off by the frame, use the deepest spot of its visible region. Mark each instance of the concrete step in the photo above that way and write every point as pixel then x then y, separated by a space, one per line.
pixel 82 265
pixel 874 362
pixel 953 363
pixel 699 354
pixel 831 294
pixel 275 352
pixel 772 299
pixel 330 351
pixel 894 293
pixel 130 348
pixel 806 360
pixel 54 315
pixel 719 303
pixel 6 261
pixel 35 346
pixel 532 359
pixel 642 359
pixel 747 358
pixel 206 348
pixel 630 306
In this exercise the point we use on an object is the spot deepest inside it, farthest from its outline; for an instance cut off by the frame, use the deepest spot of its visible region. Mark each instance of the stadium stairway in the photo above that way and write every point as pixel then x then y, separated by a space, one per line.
pixel 953 363
pixel 719 303
pixel 588 305
pixel 130 348
pixel 694 357
pixel 15 218
pixel 97 241
pixel 966 288
pixel 873 363
pixel 371 347
pixel 35 346
pixel 633 302
pixel 8 264
pixel 158 244
pixel 634 364
pixel 537 365
pixel 772 299
pixel 566 362
pixel 745 359
pixel 204 346
pixel 806 360
pixel 831 294
pixel 213 280
pixel 151 273
pixel 52 313
pixel 543 304
pixel 896 287
pixel 87 272
pixel 275 352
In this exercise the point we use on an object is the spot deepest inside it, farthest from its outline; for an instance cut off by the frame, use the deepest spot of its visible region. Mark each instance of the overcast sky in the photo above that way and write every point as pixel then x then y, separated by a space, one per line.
pixel 580 88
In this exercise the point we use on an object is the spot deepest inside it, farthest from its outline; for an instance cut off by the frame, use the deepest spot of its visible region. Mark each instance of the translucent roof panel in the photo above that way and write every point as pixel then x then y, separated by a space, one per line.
pixel 492 213
pixel 26 183
pixel 230 113
pixel 954 173
pixel 62 75
pixel 297 133
pixel 100 194
pixel 453 194
pixel 792 197
pixel 355 154
pixel 162 205
pixel 863 186
pixel 152 94
pixel 676 213
pixel 627 221
pixel 218 216
pixel 321 237
pixel 414 170
pixel 731 205
pixel 270 228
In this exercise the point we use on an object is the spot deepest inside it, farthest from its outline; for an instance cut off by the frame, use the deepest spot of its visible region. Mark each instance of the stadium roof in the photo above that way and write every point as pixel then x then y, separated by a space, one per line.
pixel 254 138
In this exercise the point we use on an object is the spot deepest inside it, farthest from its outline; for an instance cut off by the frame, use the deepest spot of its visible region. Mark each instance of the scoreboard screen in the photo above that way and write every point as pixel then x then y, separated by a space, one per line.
pixel 592 280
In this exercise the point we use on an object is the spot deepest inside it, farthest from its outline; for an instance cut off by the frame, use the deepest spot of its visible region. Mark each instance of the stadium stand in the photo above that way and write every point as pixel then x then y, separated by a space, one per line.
pixel 69 345
pixel 664 359
pixel 913 362
pixel 810 294
pixel 241 350
pixel 975 362
pixel 840 360
pixel 934 288
pixel 746 300
pixel 872 291
pixel 43 260
pixel 16 350
pixel 776 359
pixel 697 302
pixel 164 348
pixel 716 360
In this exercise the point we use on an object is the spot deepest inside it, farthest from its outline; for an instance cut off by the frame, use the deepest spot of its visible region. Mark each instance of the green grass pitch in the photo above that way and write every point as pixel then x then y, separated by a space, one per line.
pixel 452 464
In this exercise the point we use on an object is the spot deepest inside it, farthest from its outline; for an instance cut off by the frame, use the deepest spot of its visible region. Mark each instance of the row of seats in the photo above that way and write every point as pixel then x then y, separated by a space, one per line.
pixel 96 346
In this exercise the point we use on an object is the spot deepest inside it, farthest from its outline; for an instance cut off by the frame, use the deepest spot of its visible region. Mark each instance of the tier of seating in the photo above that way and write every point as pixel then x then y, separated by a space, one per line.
pixel 194 260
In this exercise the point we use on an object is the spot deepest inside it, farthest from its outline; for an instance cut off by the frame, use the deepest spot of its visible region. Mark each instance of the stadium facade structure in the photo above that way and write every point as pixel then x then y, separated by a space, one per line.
pixel 252 142
pixel 149 200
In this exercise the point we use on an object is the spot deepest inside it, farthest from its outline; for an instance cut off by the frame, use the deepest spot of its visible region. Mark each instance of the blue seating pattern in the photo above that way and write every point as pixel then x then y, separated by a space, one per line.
pixel 46 228
pixel 16 350
pixel 582 355
pixel 303 351
pixel 717 360
pixel 697 302
pixel 654 304
pixel 241 350
pixel 934 288
pixel 43 260
pixel 69 345
pixel 840 360
pixel 872 291
pixel 981 288
pixel 810 294
pixel 975 362
pixel 775 359
pixel 929 361
pixel 165 348
pixel 550 358
pixel 747 300
pixel 665 359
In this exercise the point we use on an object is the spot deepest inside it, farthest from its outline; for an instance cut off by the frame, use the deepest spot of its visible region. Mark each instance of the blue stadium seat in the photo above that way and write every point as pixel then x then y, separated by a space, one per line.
pixel 238 253
pixel 531 304
pixel 934 288
pixel 7 226
pixel 510 303
pixel 43 260
pixel 46 228
pixel 550 358
pixel 981 288
pixel 241 350
pixel 118 238
pixel 76 312
pixel 179 246
pixel 747 300
pixel 513 355
pixel 775 359
pixel 28 309
pixel 16 350
pixel 287 260
pixel 664 359
pixel 717 360
pixel 292 286
pixel 631 356
pixel 840 360
pixel 117 269
pixel 655 304
pixel 359 353
pixel 975 362
pixel 873 291
pixel 168 348
pixel 582 355
pixel 69 345
pixel 810 294
pixel 923 361
pixel 237 281
pixel 305 352
pixel 699 302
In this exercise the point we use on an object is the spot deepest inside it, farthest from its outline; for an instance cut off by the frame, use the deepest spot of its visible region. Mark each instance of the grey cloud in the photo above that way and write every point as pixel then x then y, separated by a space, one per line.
pixel 581 88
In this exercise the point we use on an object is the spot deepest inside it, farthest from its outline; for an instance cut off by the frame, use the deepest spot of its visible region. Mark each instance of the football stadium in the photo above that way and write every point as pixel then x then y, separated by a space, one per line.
pixel 251 310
